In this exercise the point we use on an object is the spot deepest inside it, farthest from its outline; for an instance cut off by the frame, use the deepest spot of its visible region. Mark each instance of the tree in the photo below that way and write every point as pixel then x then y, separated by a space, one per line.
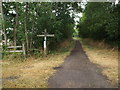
pixel 16 23
pixel 24 21
pixel 2 24
pixel 26 31
pixel 100 22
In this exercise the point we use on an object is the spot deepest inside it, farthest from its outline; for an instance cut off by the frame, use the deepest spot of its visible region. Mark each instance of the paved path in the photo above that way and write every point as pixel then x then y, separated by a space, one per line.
pixel 78 72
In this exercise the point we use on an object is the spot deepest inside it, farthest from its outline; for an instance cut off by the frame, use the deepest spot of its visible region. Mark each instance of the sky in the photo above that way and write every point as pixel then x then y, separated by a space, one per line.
pixel 78 15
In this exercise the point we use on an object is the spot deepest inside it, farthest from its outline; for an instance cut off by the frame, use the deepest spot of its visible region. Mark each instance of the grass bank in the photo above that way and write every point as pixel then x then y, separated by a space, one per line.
pixel 34 72
pixel 103 55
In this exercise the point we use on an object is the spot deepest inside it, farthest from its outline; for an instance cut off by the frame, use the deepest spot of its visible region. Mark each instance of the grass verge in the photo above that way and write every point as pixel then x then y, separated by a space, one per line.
pixel 33 72
pixel 107 58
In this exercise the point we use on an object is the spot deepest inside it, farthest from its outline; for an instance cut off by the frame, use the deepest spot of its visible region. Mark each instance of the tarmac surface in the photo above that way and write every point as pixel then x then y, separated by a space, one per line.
pixel 78 72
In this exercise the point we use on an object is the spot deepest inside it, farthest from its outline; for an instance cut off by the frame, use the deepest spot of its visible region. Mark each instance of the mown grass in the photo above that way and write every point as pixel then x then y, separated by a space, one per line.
pixel 103 55
pixel 33 72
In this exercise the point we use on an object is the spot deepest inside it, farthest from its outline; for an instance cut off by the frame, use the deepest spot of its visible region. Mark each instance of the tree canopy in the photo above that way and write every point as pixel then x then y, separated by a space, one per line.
pixel 100 21
pixel 24 21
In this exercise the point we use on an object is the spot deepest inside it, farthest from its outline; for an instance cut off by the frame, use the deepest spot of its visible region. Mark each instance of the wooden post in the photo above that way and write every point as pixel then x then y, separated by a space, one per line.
pixel 23 47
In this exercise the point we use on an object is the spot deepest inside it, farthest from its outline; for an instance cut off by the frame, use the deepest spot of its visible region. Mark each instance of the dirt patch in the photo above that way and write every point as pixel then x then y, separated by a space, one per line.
pixel 56 68
pixel 27 67
pixel 10 78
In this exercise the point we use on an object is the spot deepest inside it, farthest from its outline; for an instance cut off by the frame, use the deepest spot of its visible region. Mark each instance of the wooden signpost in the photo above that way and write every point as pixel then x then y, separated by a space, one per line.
pixel 45 35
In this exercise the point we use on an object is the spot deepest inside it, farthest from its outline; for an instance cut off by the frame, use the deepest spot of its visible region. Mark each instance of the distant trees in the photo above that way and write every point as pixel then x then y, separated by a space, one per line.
pixel 24 21
pixel 100 21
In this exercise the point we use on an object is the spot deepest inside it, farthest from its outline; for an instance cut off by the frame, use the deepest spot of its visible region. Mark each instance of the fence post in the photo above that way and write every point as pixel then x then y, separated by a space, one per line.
pixel 23 47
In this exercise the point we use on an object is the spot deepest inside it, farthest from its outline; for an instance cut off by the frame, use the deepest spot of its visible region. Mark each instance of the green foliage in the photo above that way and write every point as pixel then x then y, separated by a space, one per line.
pixel 100 22
pixel 55 17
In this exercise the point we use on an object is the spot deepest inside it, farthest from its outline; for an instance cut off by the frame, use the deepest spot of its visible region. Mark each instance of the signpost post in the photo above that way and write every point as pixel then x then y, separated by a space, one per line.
pixel 45 35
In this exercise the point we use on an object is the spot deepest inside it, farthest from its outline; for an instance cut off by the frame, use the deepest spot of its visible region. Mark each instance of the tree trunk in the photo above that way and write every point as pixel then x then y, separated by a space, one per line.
pixel 16 25
pixel 31 41
pixel 26 32
pixel 2 24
